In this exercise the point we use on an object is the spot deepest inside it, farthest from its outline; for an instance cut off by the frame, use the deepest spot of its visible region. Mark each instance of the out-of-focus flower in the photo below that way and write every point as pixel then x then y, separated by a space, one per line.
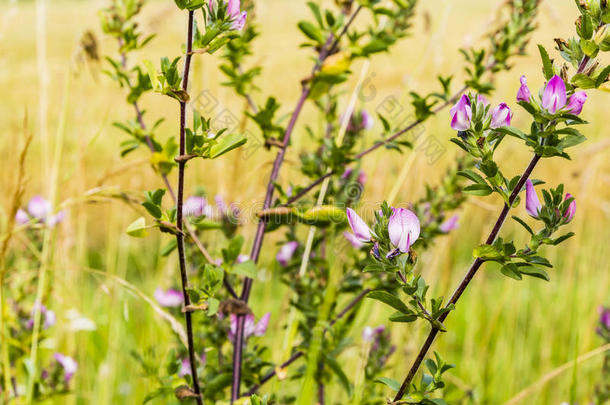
pixel 604 317
pixel 353 240
pixel 69 365
pixel 185 365
pixel 360 229
pixel 532 203
pixel 369 334
pixel 41 211
pixel 348 172
pixel 483 100
pixel 169 298
pixel 243 258
pixel 501 116
pixel 449 224
pixel 554 97
pixel 251 327
pixel 524 93
pixel 48 317
pixel 569 214
pixel 195 206
pixel 359 121
pixel 286 252
pixel 461 114
pixel 576 102
pixel 403 228
pixel 237 16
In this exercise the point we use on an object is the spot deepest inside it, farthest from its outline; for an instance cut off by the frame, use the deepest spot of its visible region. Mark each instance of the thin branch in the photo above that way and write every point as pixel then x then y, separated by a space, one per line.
pixel 329 47
pixel 179 214
pixel 467 279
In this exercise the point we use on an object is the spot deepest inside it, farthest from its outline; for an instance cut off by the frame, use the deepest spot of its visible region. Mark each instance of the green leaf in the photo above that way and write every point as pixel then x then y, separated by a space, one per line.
pixel 152 209
pixel 487 252
pixel 583 81
pixel 390 300
pixel 512 131
pixel 534 272
pixel 511 270
pixel 469 174
pixel 523 224
pixel 478 189
pixel 404 318
pixel 392 384
pixel 226 144
pixel 546 63
pixel 213 305
pixel 311 31
pixel 247 268
pixel 602 76
pixel 137 228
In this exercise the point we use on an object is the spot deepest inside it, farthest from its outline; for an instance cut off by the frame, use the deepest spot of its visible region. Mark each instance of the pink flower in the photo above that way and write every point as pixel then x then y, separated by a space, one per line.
pixel 501 116
pixel 403 228
pixel 22 217
pixel 360 229
pixel 571 211
pixel 353 240
pixel 169 298
pixel 483 100
pixel 69 365
pixel 554 97
pixel 576 102
pixel 461 114
pixel 532 203
pixel 251 328
pixel 524 93
pixel 286 252
pixel 449 224
pixel 233 12
pixel 185 366
pixel 195 206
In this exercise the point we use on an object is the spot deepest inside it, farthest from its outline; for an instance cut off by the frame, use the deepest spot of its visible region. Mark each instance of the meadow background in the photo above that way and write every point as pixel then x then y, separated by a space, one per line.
pixel 506 335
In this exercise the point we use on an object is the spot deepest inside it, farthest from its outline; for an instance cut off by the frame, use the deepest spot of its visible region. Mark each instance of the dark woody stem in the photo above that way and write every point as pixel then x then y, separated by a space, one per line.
pixel 168 186
pixel 328 49
pixel 466 280
pixel 179 219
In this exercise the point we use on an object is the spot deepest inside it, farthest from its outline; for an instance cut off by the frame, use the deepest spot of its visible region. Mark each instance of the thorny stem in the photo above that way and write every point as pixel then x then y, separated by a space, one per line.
pixel 329 47
pixel 168 186
pixel 179 222
pixel 475 266
pixel 466 280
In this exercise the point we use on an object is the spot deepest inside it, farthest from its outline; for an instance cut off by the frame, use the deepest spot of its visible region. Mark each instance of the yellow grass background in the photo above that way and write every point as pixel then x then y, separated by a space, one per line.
pixel 505 335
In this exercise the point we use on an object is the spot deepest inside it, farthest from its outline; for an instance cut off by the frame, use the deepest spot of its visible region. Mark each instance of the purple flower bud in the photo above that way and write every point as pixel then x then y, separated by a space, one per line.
pixel 39 208
pixel 576 102
pixel 185 365
pixel 554 97
pixel 359 227
pixel 501 116
pixel 368 334
pixel 449 224
pixel 524 93
pixel 195 207
pixel 243 258
pixel 532 203
pixel 403 228
pixel 569 214
pixel 461 114
pixel 353 240
pixel 169 298
pixel 286 252
pixel 48 317
pixel 221 205
pixel 22 217
pixel 250 327
pixel 604 317
pixel 367 119
pixel 69 365
pixel 238 18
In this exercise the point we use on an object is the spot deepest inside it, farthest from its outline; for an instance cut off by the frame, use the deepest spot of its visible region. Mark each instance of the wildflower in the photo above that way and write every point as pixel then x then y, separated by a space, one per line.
pixel 554 97
pixel 449 224
pixel 501 116
pixel 532 203
pixel 576 102
pixel 361 230
pixel 524 93
pixel 403 228
pixel 348 172
pixel 69 365
pixel 48 316
pixel 286 252
pixel 353 240
pixel 369 334
pixel 569 214
pixel 461 114
pixel 251 328
pixel 237 17
pixel 483 100
pixel 604 317
pixel 185 365
pixel 40 210
pixel 169 298
pixel 195 206
pixel 243 258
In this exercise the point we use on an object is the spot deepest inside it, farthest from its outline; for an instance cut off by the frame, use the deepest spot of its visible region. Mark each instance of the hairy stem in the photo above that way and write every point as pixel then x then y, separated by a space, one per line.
pixel 179 220
pixel 466 280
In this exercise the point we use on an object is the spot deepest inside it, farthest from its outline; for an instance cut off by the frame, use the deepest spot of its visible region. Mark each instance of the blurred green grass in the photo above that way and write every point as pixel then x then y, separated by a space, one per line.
pixel 505 335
